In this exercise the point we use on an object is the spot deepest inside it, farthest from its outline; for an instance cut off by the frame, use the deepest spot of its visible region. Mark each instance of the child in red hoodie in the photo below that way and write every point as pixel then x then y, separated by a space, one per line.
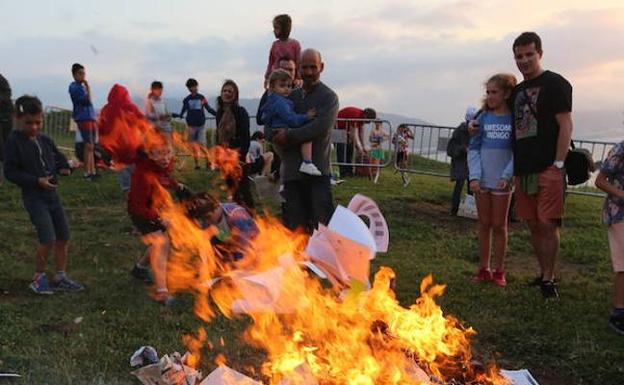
pixel 131 139
pixel 151 175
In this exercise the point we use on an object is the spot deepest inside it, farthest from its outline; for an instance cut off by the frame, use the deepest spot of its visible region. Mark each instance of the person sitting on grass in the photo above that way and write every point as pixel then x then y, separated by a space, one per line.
pixel 279 112
pixel 153 167
pixel 235 227
pixel 258 160
pixel 33 162
pixel 611 180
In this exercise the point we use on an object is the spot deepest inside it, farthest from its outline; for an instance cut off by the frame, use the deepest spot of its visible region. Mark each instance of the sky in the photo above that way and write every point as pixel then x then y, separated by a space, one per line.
pixel 426 59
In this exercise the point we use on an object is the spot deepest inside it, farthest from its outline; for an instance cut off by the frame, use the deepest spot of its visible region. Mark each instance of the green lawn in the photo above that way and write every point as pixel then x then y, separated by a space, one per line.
pixel 565 342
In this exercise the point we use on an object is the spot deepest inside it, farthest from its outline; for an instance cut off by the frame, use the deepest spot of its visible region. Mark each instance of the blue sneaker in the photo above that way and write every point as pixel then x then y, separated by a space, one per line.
pixel 41 285
pixel 66 284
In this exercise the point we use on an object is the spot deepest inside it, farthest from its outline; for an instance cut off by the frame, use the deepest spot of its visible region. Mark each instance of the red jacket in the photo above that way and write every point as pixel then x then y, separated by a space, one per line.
pixel 143 200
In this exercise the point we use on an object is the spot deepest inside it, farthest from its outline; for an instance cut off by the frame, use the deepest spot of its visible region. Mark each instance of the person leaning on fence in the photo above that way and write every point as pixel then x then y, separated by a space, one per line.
pixel 490 161
pixel 84 116
pixel 355 136
pixel 457 150
pixel 542 113
pixel 401 139
pixel 193 106
pixel 611 180
pixel 33 162
pixel 309 199
pixel 233 132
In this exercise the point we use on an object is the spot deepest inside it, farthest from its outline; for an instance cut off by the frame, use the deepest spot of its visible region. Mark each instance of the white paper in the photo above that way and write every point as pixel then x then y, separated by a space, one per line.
pixel 362 205
pixel 262 292
pixel 520 377
pixel 226 376
pixel 346 223
pixel 338 256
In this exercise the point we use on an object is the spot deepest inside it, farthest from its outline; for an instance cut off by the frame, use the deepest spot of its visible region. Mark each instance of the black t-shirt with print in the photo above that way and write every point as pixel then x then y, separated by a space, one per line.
pixel 535 103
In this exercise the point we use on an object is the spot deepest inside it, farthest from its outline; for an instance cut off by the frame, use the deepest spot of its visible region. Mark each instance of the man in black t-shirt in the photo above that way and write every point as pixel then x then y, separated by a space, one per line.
pixel 542 107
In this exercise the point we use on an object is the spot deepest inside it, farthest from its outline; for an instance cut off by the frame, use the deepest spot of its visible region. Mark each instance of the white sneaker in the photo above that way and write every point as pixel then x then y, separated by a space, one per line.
pixel 310 169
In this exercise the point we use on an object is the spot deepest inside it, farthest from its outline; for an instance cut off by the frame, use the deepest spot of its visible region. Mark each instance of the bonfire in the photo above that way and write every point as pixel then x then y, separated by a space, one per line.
pixel 350 333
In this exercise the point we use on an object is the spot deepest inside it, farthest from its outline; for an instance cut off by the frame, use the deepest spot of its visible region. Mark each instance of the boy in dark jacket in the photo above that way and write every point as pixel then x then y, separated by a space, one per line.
pixel 279 112
pixel 33 162
pixel 193 106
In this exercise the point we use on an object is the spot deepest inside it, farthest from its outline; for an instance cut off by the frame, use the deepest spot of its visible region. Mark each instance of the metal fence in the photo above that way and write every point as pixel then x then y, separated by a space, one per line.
pixel 345 153
pixel 59 125
pixel 428 154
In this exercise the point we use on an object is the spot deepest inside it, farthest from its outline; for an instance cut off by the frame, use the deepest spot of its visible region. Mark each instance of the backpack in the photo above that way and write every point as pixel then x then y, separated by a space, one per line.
pixel 579 164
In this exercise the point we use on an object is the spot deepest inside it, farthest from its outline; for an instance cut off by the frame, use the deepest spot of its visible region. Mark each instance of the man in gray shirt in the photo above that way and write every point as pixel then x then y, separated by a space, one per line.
pixel 309 199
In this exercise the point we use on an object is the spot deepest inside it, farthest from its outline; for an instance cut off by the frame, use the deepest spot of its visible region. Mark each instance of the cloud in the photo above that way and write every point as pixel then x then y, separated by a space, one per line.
pixel 428 61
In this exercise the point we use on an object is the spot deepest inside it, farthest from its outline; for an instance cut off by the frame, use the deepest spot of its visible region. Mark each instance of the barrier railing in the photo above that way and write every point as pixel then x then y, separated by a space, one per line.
pixel 427 154
pixel 345 153
pixel 58 124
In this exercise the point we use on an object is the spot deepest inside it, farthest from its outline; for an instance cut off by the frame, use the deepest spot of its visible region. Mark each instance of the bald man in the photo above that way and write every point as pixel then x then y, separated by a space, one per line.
pixel 309 199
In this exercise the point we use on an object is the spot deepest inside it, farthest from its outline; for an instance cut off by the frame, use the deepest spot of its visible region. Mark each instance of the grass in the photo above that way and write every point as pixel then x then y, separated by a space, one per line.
pixel 87 338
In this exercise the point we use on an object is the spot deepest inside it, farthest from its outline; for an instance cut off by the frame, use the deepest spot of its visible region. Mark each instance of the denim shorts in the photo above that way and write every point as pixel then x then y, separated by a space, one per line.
pixel 197 134
pixel 48 216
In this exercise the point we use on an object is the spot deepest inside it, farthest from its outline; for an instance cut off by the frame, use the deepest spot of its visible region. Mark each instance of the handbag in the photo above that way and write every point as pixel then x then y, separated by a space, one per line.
pixel 468 207
pixel 579 165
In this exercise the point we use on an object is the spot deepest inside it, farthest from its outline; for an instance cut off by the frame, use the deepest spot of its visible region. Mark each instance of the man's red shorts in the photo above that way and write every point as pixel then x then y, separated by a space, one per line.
pixel 548 202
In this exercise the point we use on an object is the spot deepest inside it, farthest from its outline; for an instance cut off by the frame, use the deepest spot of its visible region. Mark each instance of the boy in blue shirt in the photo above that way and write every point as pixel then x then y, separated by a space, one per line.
pixel 279 112
pixel 33 162
pixel 84 116
pixel 193 105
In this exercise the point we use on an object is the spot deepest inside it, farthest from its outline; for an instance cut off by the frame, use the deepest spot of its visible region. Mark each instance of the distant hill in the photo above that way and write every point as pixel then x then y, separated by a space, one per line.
pixel 251 105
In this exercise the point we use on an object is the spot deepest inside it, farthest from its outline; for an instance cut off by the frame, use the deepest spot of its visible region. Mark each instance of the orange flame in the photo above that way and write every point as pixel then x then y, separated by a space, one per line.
pixel 366 337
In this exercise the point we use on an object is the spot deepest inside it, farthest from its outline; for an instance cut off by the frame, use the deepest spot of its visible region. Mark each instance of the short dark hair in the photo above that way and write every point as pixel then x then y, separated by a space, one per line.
pixel 200 204
pixel 258 135
pixel 76 67
pixel 285 23
pixel 369 113
pixel 157 84
pixel 28 105
pixel 191 83
pixel 527 38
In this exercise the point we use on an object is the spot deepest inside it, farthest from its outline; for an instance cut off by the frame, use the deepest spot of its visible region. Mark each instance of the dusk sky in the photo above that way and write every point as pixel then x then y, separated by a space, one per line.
pixel 425 59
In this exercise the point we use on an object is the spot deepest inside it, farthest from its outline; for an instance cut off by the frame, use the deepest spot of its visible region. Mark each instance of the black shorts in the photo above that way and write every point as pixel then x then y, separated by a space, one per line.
pixel 145 226
pixel 256 166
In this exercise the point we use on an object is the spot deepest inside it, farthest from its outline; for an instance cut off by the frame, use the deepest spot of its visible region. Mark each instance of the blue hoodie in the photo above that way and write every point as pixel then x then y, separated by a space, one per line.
pixel 279 112
pixel 490 153
pixel 83 108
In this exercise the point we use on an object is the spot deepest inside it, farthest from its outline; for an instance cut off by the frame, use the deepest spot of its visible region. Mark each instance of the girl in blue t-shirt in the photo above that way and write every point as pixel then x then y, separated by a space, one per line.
pixel 490 165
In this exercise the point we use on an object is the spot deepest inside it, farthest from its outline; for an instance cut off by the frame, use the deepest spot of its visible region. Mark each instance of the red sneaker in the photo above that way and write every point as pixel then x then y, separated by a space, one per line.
pixel 482 275
pixel 499 278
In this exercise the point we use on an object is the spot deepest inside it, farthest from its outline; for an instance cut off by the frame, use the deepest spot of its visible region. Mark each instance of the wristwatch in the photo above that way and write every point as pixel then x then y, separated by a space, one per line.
pixel 558 164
